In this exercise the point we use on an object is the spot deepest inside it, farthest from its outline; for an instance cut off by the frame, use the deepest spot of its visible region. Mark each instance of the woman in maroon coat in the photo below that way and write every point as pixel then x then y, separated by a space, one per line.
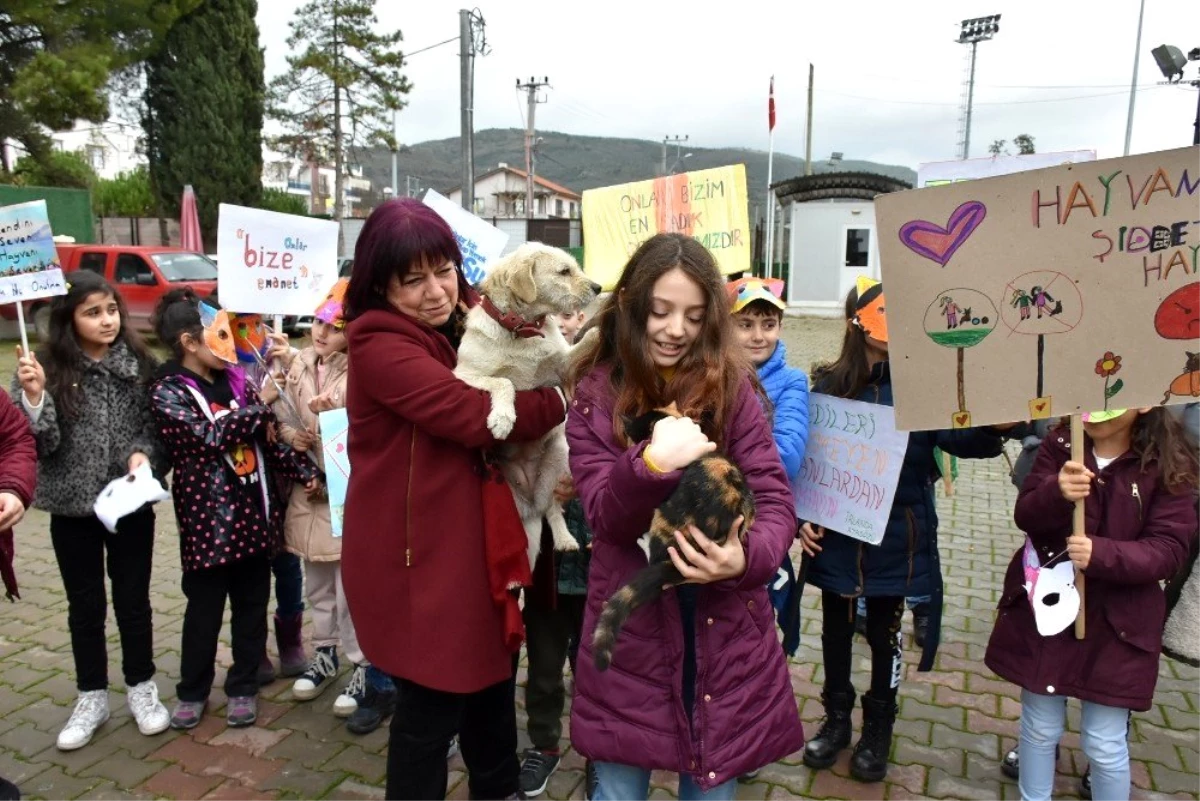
pixel 419 561
pixel 1137 477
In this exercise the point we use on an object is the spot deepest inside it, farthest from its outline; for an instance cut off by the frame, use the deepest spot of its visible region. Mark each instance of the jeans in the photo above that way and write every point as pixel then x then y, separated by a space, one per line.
pixel 624 783
pixel 911 602
pixel 83 547
pixel 1102 734
pixel 424 723
pixel 247 584
pixel 548 633
pixel 289 584
pixel 883 635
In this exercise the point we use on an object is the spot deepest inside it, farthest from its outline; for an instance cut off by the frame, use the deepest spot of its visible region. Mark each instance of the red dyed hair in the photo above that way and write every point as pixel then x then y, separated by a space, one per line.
pixel 399 235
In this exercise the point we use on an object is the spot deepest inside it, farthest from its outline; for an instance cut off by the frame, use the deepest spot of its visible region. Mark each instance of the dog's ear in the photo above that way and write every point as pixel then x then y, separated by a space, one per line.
pixel 524 288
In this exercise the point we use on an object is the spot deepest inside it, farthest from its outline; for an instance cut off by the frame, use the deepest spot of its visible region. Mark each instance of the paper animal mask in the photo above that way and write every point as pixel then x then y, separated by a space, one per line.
pixel 127 494
pixel 1051 592
pixel 249 336
pixel 745 291
pixel 870 314
pixel 333 309
pixel 1103 417
pixel 218 335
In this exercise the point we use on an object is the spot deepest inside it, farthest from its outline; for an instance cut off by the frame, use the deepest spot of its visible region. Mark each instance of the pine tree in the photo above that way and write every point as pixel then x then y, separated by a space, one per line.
pixel 340 90
pixel 203 113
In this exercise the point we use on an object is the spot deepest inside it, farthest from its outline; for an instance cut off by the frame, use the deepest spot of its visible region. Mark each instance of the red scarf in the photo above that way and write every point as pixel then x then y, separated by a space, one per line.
pixel 506 549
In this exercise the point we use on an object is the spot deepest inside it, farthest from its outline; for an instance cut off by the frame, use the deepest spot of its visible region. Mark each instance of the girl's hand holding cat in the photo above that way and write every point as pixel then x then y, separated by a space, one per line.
pixel 708 562
pixel 675 443
pixel 1074 481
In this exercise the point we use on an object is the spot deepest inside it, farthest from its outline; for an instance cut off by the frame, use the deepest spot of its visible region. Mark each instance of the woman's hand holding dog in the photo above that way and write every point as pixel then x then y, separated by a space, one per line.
pixel 676 442
pixel 707 562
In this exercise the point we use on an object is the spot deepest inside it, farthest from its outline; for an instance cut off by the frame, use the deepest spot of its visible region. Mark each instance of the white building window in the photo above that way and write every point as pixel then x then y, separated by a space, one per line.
pixel 558 207
pixel 541 205
pixel 572 209
pixel 95 157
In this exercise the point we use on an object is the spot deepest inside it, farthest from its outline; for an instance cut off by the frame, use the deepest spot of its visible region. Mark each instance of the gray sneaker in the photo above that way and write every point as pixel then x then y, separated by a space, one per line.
pixel 187 714
pixel 242 711
pixel 536 769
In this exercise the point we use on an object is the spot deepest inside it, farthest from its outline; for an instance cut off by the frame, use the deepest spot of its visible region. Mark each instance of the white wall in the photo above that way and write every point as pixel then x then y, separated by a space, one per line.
pixel 110 147
pixel 818 278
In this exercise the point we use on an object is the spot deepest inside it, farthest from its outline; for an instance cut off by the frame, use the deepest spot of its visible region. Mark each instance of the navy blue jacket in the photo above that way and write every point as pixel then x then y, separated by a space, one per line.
pixel 906 561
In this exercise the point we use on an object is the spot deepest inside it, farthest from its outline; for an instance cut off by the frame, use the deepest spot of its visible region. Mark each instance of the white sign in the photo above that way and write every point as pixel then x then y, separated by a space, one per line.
pixel 947 172
pixel 481 243
pixel 335 431
pixel 28 259
pixel 272 263
pixel 851 466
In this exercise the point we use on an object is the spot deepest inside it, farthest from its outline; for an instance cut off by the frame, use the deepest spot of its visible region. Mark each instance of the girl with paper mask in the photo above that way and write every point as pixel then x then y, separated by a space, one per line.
pixel 221 441
pixel 905 563
pixel 1137 482
pixel 85 396
pixel 316 383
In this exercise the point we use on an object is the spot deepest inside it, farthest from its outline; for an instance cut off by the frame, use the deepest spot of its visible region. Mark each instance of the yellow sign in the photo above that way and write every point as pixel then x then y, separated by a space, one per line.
pixel 709 205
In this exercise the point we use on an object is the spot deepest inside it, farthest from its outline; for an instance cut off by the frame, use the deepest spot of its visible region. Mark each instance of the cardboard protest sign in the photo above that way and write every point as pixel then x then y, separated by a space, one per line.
pixel 29 266
pixel 480 242
pixel 335 427
pixel 851 467
pixel 709 205
pixel 936 173
pixel 273 263
pixel 1057 280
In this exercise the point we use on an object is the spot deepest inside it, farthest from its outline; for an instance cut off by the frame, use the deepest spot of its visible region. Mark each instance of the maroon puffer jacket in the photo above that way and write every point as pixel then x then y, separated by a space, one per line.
pixel 745 713
pixel 1141 535
pixel 18 475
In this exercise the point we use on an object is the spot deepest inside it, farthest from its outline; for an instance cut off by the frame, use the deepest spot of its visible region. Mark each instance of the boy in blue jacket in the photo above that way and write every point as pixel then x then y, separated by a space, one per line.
pixel 757 307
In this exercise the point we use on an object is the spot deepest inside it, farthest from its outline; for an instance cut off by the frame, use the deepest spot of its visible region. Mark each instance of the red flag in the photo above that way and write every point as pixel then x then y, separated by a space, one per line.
pixel 771 107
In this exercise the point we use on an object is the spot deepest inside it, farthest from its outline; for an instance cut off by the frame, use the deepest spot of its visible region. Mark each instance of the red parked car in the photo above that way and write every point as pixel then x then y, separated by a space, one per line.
pixel 141 274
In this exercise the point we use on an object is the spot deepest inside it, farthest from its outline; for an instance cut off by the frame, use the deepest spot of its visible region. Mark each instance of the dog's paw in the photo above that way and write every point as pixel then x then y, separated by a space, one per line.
pixel 500 421
pixel 567 545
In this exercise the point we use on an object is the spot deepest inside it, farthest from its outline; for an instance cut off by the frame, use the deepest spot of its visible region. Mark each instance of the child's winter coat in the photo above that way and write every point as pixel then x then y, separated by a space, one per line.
pixel 1141 535
pixel 787 387
pixel 226 506
pixel 307 531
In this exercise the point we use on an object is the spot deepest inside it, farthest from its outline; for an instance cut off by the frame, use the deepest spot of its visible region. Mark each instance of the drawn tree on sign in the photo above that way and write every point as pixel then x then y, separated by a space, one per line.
pixel 1041 303
pixel 960 318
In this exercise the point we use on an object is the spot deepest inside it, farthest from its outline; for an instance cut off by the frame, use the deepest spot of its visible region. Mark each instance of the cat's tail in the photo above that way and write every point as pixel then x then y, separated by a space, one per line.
pixel 645 587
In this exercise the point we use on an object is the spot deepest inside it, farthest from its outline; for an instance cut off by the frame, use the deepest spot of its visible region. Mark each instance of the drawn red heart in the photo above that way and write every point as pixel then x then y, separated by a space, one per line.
pixel 937 243
pixel 962 419
pixel 1041 407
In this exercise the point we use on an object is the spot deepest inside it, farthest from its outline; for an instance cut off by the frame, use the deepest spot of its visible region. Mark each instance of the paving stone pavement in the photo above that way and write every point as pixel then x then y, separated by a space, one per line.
pixel 955 723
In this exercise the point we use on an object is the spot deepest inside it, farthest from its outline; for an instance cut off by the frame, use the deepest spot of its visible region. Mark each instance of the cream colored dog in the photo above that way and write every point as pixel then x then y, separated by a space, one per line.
pixel 517 345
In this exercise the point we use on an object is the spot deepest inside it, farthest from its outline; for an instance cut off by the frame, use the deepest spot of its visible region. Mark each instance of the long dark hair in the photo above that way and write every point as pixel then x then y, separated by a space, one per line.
pixel 707 378
pixel 1157 436
pixel 178 313
pixel 63 359
pixel 849 374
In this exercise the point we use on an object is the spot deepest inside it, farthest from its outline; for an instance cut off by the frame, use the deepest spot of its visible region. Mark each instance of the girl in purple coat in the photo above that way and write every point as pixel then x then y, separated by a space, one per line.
pixel 698 684
pixel 1138 477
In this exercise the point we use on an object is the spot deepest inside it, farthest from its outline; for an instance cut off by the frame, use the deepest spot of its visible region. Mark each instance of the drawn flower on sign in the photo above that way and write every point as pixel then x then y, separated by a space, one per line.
pixel 1107 366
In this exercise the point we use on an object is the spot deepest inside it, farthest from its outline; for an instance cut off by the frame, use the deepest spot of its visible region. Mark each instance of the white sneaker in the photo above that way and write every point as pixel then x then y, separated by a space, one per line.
pixel 91 710
pixel 352 694
pixel 151 716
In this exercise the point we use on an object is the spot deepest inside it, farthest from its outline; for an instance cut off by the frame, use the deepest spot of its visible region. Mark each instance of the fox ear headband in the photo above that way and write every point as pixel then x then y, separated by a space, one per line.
pixel 869 311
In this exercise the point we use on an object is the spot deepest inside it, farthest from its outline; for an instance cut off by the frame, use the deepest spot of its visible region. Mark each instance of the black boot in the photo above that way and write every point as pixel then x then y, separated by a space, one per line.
pixel 920 624
pixel 870 760
pixel 834 735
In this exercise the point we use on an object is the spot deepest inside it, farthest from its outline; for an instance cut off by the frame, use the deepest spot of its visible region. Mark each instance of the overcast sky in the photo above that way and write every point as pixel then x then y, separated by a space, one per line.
pixel 888 76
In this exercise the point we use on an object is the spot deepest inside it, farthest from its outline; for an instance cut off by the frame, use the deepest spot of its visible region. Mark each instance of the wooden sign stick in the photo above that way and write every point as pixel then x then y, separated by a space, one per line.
pixel 1079 526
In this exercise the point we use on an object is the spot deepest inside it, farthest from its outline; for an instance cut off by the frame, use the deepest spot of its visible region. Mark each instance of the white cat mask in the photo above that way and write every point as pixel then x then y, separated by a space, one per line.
pixel 1051 592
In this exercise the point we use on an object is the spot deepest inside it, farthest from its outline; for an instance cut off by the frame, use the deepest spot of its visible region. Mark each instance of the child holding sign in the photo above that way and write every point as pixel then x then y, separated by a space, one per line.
pixel 221 440
pixel 904 563
pixel 316 383
pixel 758 307
pixel 1137 481
pixel 85 397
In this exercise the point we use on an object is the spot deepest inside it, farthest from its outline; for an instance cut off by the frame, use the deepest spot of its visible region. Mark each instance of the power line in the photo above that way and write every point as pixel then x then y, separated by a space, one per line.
pixel 991 103
pixel 423 49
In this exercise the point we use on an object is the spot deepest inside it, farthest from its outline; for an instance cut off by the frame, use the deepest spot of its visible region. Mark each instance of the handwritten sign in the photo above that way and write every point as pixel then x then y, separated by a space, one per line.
pixel 851 467
pixel 1074 287
pixel 335 426
pixel 272 263
pixel 481 243
pixel 29 266
pixel 709 205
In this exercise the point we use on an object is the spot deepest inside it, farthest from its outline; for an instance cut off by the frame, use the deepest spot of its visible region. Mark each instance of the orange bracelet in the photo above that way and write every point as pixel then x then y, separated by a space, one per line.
pixel 650 463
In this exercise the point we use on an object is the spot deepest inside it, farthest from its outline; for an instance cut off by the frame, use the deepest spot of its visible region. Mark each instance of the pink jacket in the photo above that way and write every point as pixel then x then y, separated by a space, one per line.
pixel 744 715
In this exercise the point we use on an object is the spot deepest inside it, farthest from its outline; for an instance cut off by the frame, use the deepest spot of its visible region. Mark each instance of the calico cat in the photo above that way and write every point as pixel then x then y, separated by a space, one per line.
pixel 711 494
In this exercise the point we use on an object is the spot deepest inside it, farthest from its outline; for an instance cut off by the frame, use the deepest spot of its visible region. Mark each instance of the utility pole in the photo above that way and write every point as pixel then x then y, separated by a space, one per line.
pixel 395 147
pixel 678 142
pixel 808 125
pixel 1137 50
pixel 471 41
pixel 531 88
